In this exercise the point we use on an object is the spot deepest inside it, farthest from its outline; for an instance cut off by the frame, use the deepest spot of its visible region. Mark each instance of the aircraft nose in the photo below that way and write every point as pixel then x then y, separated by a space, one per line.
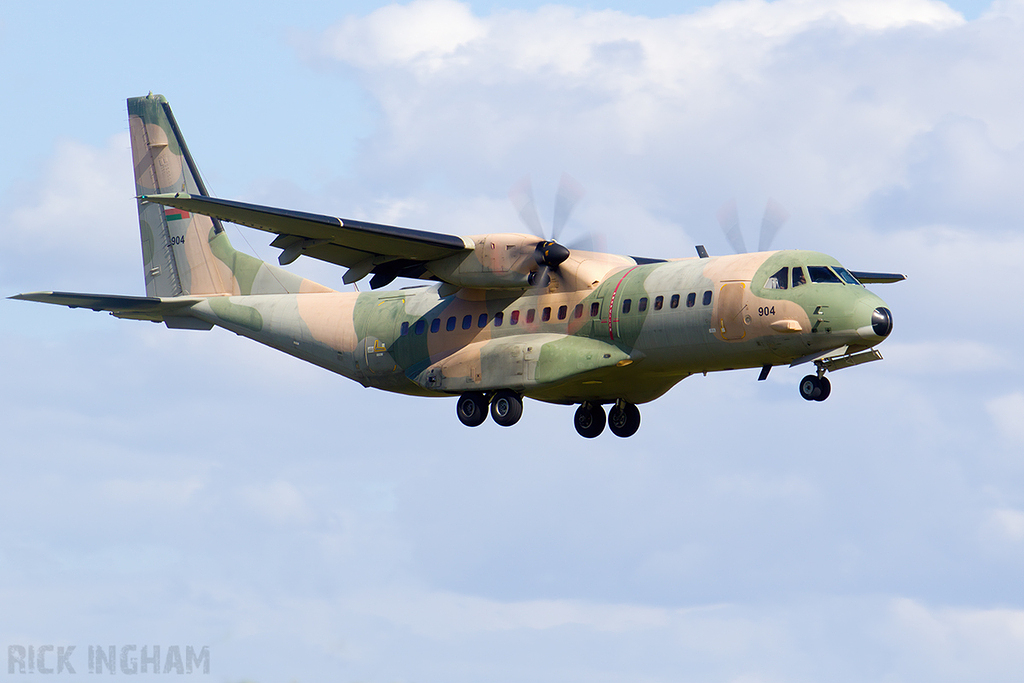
pixel 881 321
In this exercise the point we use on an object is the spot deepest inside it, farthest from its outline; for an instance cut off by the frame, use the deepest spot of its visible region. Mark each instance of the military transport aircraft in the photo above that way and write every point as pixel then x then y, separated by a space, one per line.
pixel 503 316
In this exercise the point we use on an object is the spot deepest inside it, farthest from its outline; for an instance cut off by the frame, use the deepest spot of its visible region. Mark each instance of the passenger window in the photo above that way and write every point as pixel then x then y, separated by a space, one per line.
pixel 798 277
pixel 626 305
pixel 822 274
pixel 405 329
pixel 659 302
pixel 514 319
pixel 435 325
pixel 779 280
pixel 530 316
pixel 451 324
pixel 481 322
pixel 545 315
pixel 707 297
pixel 643 305
pixel 595 309
pixel 674 301
pixel 562 311
pixel 467 322
pixel 499 317
pixel 691 299
pixel 578 312
pixel 421 326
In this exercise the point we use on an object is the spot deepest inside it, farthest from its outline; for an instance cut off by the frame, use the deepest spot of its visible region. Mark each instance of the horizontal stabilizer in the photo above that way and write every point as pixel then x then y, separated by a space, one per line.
pixel 868 278
pixel 133 307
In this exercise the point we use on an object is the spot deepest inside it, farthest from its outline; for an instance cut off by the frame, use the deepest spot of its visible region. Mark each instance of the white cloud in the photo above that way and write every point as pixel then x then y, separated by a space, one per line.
pixel 959 644
pixel 1005 524
pixel 426 33
pixel 279 501
pixel 447 615
pixel 165 491
pixel 1007 412
pixel 77 221
pixel 942 357
pixel 83 201
pixel 716 92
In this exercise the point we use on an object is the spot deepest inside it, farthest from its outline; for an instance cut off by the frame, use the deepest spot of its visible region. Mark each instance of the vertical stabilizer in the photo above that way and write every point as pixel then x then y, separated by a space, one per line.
pixel 176 245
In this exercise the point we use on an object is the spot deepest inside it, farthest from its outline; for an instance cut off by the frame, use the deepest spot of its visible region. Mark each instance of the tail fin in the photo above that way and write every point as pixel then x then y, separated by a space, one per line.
pixel 177 247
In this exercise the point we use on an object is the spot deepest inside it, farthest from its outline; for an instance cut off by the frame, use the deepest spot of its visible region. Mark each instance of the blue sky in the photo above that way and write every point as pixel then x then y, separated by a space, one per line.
pixel 174 487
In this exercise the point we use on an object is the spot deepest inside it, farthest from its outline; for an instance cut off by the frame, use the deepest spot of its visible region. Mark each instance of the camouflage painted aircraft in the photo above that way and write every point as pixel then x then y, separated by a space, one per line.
pixel 501 316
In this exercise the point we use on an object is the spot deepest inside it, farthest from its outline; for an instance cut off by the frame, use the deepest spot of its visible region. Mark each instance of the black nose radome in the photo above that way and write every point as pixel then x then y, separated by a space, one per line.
pixel 881 321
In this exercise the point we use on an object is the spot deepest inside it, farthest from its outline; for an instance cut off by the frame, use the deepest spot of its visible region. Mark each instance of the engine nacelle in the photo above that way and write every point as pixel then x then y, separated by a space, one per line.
pixel 498 261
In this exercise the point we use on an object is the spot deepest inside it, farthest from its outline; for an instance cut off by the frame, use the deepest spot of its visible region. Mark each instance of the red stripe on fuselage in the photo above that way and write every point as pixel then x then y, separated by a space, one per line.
pixel 611 305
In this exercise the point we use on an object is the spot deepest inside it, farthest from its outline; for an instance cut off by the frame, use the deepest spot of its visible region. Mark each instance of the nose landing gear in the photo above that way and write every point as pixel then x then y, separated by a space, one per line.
pixel 814 388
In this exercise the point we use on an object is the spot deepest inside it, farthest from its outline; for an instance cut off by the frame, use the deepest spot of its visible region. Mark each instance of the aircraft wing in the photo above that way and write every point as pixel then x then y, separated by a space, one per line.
pixel 362 247
pixel 134 307
pixel 867 278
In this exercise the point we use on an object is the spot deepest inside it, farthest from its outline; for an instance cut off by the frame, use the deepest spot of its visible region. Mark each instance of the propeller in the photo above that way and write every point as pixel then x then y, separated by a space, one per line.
pixel 774 218
pixel 549 253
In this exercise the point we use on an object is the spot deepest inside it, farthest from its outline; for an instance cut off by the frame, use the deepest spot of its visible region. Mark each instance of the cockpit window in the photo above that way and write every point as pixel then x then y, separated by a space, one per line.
pixel 847 277
pixel 779 280
pixel 822 274
pixel 798 277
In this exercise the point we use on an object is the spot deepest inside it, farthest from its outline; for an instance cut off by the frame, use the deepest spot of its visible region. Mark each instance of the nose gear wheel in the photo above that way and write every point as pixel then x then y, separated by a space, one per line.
pixel 814 388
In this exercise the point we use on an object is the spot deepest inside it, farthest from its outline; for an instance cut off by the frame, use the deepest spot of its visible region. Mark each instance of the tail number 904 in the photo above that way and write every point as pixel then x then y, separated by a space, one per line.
pixel 765 310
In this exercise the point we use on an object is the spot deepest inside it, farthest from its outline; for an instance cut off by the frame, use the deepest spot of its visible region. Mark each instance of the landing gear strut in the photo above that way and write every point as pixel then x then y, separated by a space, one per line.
pixel 589 420
pixel 624 419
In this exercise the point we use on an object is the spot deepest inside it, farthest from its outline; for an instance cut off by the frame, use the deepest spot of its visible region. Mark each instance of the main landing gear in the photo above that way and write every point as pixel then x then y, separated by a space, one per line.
pixel 623 419
pixel 506 408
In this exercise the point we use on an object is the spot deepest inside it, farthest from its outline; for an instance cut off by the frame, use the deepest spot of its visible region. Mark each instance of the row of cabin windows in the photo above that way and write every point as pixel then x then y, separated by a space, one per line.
pixel 659 302
pixel 420 326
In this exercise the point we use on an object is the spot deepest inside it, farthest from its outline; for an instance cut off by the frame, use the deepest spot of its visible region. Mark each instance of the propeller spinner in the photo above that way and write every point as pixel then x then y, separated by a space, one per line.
pixel 549 254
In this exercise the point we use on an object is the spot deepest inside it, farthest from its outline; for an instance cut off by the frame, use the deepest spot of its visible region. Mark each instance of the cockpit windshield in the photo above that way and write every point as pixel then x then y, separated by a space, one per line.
pixel 780 279
pixel 822 274
pixel 845 274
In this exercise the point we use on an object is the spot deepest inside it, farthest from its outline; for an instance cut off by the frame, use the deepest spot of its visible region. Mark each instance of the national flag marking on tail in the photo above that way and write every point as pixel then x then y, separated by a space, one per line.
pixel 175 214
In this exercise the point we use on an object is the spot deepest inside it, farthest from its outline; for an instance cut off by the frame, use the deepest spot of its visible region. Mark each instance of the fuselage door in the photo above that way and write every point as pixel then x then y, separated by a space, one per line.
pixel 731 311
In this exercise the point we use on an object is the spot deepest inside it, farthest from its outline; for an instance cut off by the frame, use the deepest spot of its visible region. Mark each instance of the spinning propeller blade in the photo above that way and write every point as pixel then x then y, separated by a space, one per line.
pixel 729 219
pixel 569 194
pixel 774 218
pixel 521 195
